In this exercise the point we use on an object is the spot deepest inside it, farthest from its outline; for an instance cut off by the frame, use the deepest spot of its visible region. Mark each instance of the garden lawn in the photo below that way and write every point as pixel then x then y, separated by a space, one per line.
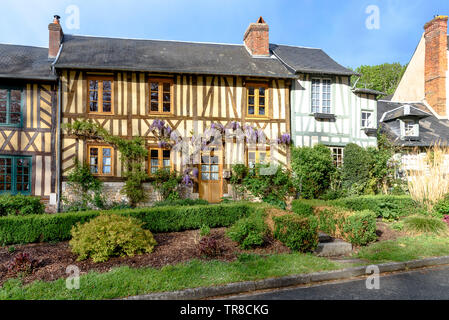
pixel 126 281
pixel 405 249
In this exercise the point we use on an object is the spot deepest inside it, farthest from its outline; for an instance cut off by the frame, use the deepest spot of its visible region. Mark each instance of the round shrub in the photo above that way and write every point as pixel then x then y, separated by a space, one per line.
pixel 423 224
pixel 110 235
pixel 296 232
pixel 441 208
pixel 249 232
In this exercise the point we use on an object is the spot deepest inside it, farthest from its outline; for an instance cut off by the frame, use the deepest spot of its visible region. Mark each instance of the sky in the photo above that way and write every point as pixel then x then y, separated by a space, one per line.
pixel 352 32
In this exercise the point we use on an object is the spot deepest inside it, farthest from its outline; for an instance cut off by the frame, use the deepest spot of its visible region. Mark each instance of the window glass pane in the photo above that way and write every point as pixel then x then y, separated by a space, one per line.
pixel 261 91
pixel 214 159
pixel 166 87
pixel 166 163
pixel 107 85
pixel 251 91
pixel 154 86
pixel 93 85
pixel 154 106
pixel 205 168
pixel 3 94
pixel 166 107
pixel 251 110
pixel 252 156
pixel 93 106
pixel 261 101
pixel 205 159
pixel 16 96
pixel 107 107
pixel 154 169
pixel 107 96
pixel 214 168
pixel 154 153
pixel 166 153
pixel 251 100
pixel 205 176
pixel 166 97
pixel 214 176
pixel 154 162
pixel 106 169
pixel 261 111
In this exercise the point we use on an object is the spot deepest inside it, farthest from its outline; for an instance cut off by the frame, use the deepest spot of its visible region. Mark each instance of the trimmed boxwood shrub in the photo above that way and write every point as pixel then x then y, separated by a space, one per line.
pixel 296 232
pixel 56 227
pixel 301 208
pixel 249 232
pixel 20 205
pixel 110 235
pixel 388 207
pixel 359 228
pixel 180 202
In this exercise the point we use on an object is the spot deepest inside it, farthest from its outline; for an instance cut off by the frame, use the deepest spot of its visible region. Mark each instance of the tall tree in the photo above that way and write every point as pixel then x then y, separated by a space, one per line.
pixel 383 77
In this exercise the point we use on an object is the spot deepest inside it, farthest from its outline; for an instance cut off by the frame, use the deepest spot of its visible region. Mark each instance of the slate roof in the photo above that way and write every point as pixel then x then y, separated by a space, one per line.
pixel 309 60
pixel 405 111
pixel 81 52
pixel 431 129
pixel 24 62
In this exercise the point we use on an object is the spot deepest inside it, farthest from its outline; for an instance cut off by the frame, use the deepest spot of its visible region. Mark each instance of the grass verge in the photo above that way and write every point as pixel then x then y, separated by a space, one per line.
pixel 405 249
pixel 126 281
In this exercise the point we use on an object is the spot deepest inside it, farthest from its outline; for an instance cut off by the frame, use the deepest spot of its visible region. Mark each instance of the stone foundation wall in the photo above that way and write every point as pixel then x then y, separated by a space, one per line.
pixel 111 192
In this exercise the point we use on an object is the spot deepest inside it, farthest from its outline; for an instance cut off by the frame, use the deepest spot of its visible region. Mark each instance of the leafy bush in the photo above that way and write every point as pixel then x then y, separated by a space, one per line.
pixel 23 264
pixel 302 208
pixel 180 202
pixel 441 208
pixel 110 235
pixel 57 227
pixel 249 232
pixel 297 233
pixel 355 170
pixel 167 183
pixel 313 168
pixel 359 228
pixel 423 224
pixel 209 247
pixel 388 207
pixel 204 230
pixel 20 205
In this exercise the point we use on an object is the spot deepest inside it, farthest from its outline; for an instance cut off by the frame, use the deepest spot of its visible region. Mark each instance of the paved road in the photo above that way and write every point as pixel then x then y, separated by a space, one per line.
pixel 426 284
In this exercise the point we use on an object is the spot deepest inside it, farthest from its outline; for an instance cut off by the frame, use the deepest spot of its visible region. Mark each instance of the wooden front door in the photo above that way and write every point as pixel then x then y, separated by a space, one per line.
pixel 211 168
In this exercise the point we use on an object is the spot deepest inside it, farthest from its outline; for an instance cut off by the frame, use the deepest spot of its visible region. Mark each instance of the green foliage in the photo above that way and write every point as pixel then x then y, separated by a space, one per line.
pixel 384 77
pixel 423 224
pixel 167 183
pixel 56 227
pixel 313 169
pixel 359 228
pixel 441 208
pixel 204 230
pixel 355 171
pixel 20 205
pixel 296 232
pixel 110 235
pixel 385 206
pixel 301 208
pixel 249 232
pixel 84 188
pixel 181 202
pixel 132 154
pixel 272 184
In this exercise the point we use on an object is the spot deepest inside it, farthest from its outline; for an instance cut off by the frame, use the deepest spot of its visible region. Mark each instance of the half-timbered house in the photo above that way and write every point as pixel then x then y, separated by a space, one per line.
pixel 125 84
pixel 28 163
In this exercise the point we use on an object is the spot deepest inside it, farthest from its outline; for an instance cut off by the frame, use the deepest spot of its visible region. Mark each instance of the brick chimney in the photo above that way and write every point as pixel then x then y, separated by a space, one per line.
pixel 435 67
pixel 256 38
pixel 56 34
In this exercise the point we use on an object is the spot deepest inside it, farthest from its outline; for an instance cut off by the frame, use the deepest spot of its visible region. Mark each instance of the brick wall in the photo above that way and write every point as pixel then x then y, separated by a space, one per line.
pixel 256 38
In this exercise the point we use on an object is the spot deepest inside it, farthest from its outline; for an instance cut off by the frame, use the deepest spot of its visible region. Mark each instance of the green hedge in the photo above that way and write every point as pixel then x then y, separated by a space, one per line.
pixel 388 207
pixel 20 205
pixel 359 228
pixel 301 208
pixel 57 227
pixel 296 232
pixel 250 231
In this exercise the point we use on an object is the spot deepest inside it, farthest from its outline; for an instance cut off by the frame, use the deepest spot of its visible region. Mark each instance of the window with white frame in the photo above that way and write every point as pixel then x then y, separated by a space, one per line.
pixel 410 128
pixel 367 118
pixel 321 95
pixel 337 155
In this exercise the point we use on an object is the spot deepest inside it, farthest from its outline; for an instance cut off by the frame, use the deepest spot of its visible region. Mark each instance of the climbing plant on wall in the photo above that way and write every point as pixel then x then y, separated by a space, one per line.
pixel 132 154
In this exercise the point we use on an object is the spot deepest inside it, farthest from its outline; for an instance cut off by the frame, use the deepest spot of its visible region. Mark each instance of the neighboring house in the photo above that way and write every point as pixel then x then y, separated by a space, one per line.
pixel 125 84
pixel 416 117
pixel 324 107
pixel 28 163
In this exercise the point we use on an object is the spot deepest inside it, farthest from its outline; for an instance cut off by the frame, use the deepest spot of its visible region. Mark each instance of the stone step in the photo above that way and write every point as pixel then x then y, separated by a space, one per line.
pixel 333 249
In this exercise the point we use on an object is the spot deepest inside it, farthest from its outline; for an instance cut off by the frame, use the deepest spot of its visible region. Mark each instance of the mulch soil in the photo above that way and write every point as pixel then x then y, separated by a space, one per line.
pixel 172 248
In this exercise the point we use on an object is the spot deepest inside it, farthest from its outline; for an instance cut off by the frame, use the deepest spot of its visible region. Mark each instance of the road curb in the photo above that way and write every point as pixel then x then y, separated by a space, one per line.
pixel 288 281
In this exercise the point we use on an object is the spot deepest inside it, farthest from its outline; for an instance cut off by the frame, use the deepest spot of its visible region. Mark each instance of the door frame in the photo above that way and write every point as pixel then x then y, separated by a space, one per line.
pixel 220 171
